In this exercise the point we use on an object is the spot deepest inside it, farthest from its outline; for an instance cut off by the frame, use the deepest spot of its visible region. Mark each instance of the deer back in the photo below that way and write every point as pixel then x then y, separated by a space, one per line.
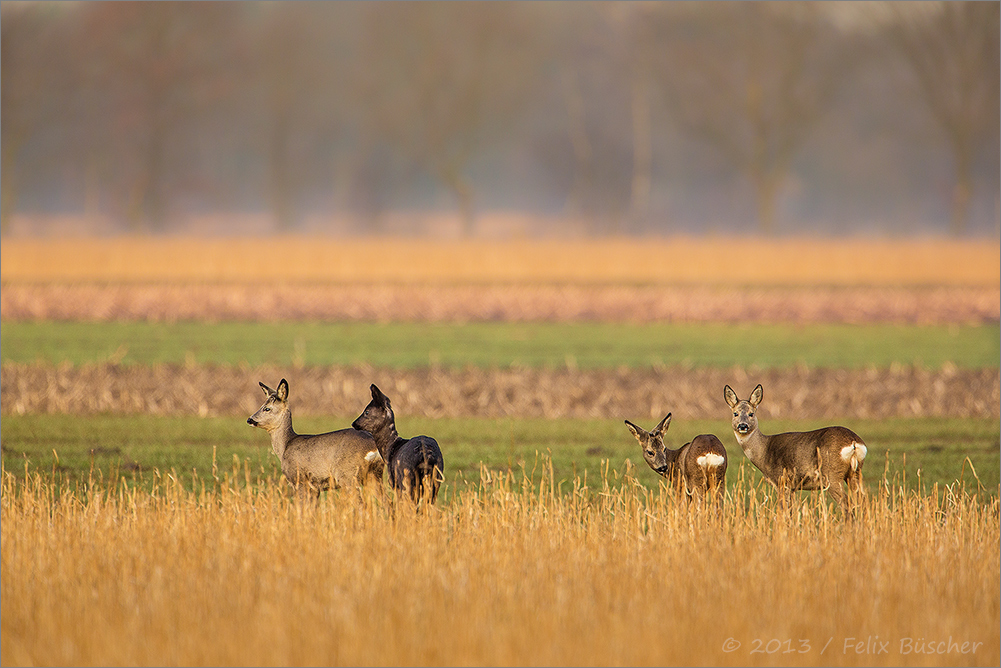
pixel 334 459
pixel 807 456
pixel 703 462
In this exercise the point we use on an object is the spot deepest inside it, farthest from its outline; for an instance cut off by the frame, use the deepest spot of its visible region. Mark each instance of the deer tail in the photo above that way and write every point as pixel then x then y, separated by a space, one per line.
pixel 710 463
pixel 854 454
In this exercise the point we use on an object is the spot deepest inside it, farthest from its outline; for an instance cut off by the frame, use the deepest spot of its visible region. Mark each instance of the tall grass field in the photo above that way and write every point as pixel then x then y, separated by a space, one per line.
pixel 512 569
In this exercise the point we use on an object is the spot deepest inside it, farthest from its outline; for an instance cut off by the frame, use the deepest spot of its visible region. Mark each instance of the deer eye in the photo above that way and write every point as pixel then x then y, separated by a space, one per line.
pixel 750 414
pixel 735 414
pixel 267 409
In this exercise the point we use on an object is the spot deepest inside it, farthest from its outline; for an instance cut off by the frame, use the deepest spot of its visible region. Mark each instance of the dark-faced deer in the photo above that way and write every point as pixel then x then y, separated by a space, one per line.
pixel 415 464
pixel 700 465
pixel 317 462
pixel 824 458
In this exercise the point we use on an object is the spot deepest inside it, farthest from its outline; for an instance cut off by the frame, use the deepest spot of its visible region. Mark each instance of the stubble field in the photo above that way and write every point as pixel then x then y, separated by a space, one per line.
pixel 144 523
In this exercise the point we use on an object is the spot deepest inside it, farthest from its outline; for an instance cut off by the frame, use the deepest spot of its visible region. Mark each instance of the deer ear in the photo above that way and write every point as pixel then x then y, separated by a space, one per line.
pixel 662 427
pixel 283 390
pixel 730 396
pixel 267 390
pixel 378 396
pixel 756 396
pixel 638 432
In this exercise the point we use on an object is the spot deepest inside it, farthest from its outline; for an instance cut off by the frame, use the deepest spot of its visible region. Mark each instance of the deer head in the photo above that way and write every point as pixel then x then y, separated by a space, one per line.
pixel 652 442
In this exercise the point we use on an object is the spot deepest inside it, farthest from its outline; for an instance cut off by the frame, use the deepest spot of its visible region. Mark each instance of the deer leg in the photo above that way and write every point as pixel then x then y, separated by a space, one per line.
pixel 427 489
pixel 856 491
pixel 304 492
pixel 380 489
pixel 855 482
pixel 837 490
pixel 785 493
pixel 407 484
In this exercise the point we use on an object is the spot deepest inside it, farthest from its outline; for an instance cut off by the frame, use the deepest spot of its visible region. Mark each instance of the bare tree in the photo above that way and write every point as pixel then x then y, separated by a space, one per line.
pixel 443 77
pixel 157 63
pixel 305 62
pixel 286 75
pixel 33 86
pixel 752 79
pixel 637 46
pixel 952 48
pixel 587 49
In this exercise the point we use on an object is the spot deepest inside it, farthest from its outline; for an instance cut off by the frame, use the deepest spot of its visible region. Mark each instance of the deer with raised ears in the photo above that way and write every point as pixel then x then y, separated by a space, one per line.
pixel 826 458
pixel 699 465
pixel 416 466
pixel 317 462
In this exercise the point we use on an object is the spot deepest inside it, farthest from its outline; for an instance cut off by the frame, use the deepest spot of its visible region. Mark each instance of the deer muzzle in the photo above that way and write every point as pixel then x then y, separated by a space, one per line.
pixel 743 428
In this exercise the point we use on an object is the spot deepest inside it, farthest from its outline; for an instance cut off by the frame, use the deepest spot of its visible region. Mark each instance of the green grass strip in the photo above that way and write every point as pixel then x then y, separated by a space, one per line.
pixel 585 345
pixel 918 451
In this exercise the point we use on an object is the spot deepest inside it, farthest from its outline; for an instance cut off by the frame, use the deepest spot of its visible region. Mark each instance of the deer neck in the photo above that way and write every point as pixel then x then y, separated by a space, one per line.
pixel 385 439
pixel 754 444
pixel 282 434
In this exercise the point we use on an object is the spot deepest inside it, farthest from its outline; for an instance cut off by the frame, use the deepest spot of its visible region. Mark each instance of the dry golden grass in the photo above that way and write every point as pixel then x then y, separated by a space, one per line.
pixel 504 571
pixel 717 261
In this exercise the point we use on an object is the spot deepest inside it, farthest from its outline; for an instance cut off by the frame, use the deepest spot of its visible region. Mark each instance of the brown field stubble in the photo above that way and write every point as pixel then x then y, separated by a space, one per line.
pixel 690 393
pixel 275 302
pixel 507 573
pixel 741 261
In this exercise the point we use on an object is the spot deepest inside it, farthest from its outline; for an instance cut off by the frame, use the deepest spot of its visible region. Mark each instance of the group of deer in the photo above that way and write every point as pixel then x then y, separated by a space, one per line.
pixel 827 458
pixel 351 457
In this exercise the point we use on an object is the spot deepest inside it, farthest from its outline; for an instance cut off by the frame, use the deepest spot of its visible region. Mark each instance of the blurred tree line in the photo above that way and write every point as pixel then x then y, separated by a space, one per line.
pixel 629 117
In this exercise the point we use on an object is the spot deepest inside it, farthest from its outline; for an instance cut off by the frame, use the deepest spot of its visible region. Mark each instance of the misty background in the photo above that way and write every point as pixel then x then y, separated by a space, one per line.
pixel 500 118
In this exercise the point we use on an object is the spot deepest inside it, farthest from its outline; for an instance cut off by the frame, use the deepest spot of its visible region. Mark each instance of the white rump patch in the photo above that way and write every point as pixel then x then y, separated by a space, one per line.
pixel 709 460
pixel 372 456
pixel 854 454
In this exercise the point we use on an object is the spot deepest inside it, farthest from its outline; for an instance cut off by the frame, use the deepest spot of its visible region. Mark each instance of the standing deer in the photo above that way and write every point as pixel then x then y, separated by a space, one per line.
pixel 809 460
pixel 413 463
pixel 699 465
pixel 316 462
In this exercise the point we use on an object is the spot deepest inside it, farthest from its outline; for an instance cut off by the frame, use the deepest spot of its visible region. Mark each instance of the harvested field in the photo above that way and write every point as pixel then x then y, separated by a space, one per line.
pixel 511 570
pixel 806 393
pixel 512 303
pixel 674 261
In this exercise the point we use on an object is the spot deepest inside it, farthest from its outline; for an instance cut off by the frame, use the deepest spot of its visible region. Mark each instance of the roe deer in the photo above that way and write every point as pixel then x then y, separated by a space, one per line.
pixel 809 460
pixel 412 463
pixel 317 462
pixel 699 465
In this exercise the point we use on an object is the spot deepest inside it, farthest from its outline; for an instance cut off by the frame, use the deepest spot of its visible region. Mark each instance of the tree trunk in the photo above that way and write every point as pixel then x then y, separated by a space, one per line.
pixel 577 131
pixel 464 197
pixel 962 190
pixel 8 184
pixel 466 213
pixel 281 183
pixel 642 153
pixel 155 207
pixel 766 190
